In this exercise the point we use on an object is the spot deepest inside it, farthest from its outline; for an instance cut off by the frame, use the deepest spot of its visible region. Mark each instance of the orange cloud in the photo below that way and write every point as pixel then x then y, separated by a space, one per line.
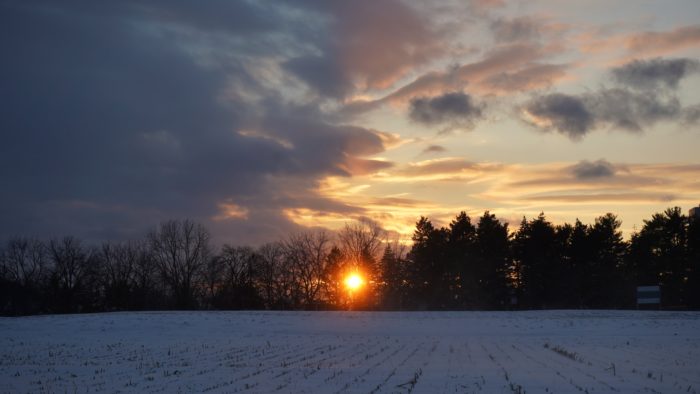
pixel 231 211
pixel 377 50
pixel 509 68
pixel 657 43
pixel 640 44
pixel 564 191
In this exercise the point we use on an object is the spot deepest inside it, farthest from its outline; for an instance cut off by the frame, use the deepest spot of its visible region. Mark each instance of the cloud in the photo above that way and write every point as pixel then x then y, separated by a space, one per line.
pixel 617 108
pixel 360 48
pixel 593 170
pixel 441 169
pixel 632 111
pixel 655 73
pixel 534 76
pixel 434 149
pixel 691 114
pixel 322 74
pixel 455 108
pixel 117 118
pixel 564 113
pixel 506 69
pixel 642 43
pixel 598 182
pixel 525 28
pixel 448 165
pixel 603 198
pixel 516 29
pixel 653 42
pixel 567 190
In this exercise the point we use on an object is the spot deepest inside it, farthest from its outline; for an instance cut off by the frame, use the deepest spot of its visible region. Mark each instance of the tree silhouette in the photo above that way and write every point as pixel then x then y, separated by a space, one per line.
pixel 605 268
pixel 492 260
pixel 428 267
pixel 537 262
pixel 238 289
pixel 393 279
pixel 25 270
pixel 462 266
pixel 693 256
pixel 461 281
pixel 307 255
pixel 660 256
pixel 181 250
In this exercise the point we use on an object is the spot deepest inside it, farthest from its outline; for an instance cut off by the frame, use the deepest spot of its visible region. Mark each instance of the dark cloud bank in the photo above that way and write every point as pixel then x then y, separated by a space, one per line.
pixel 118 116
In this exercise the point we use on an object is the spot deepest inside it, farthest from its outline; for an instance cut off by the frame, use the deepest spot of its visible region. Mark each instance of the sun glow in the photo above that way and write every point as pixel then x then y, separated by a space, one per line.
pixel 354 281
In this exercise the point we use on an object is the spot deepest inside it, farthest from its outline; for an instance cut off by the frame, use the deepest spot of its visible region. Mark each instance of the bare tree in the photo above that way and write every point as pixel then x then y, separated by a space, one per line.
pixel 181 250
pixel 361 244
pixel 70 261
pixel 25 261
pixel 237 285
pixel 273 278
pixel 214 273
pixel 238 265
pixel 120 263
pixel 307 254
pixel 74 275
pixel 148 290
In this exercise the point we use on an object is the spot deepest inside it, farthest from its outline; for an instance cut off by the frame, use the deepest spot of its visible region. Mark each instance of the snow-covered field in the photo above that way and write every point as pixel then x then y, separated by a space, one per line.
pixel 328 352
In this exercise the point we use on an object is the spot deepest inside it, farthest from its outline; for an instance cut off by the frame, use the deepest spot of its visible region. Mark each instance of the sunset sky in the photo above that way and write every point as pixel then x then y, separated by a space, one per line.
pixel 261 118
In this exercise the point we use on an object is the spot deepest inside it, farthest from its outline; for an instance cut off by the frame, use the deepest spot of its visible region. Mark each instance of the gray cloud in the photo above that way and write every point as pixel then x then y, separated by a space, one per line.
pixel 655 73
pixel 322 74
pixel 434 149
pixel 628 110
pixel 563 113
pixel 114 118
pixel 455 107
pixel 645 94
pixel 691 114
pixel 593 170
pixel 508 68
pixel 577 115
pixel 516 29
pixel 359 48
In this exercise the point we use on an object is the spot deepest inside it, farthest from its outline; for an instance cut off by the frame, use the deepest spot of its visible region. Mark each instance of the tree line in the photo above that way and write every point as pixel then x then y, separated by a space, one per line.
pixel 465 265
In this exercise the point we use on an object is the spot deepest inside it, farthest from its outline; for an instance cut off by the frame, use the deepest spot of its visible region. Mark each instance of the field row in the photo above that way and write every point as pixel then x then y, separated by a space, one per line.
pixel 288 353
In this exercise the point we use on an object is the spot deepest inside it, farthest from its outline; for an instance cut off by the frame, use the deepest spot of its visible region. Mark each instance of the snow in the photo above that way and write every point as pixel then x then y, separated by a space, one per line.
pixel 357 352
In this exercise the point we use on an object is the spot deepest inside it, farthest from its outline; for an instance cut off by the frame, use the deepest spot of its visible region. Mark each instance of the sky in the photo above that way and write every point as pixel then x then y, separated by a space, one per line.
pixel 263 118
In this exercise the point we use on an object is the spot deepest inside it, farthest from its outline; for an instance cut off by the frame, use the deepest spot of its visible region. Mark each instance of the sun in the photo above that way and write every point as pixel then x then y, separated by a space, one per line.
pixel 354 281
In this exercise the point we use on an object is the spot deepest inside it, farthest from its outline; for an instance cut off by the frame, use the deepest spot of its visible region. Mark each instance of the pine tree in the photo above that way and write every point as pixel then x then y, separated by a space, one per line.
pixel 461 279
pixel 393 280
pixel 493 259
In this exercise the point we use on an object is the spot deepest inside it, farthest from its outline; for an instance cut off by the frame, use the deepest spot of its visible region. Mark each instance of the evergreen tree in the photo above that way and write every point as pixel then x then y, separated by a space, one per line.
pixel 492 256
pixel 428 266
pixel 462 274
pixel 693 253
pixel 608 250
pixel 393 280
pixel 659 255
pixel 537 261
pixel 579 258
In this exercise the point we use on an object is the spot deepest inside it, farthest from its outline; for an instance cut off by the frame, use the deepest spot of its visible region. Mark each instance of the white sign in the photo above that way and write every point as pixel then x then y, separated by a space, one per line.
pixel 648 295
